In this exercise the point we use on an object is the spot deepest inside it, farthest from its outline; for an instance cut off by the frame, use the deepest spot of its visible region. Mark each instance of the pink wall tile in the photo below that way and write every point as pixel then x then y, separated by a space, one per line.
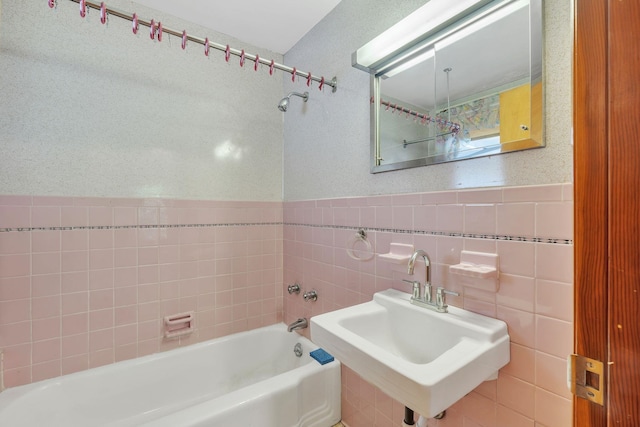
pixel 45 285
pixel 75 345
pixel 533 193
pixel 517 292
pixel 554 336
pixel 15 288
pixel 507 417
pixel 100 216
pixel 75 364
pixel 17 356
pixel 517 395
pixel 75 303
pixel 42 308
pixel 480 219
pixel 74 281
pixel 75 324
pixel 12 200
pixel 552 410
pixel 521 326
pixel 15 265
pixel 45 351
pixel 450 218
pixel 554 220
pixel 74 261
pixel 45 263
pixel 15 216
pixel 551 374
pixel 149 216
pixel 516 219
pixel 45 216
pixel 15 311
pixel 101 239
pixel 517 258
pixel 74 216
pixel 554 262
pixel 522 363
pixel 125 216
pixel 45 241
pixel 75 240
pixel 493 195
pixel 14 243
pixel 554 299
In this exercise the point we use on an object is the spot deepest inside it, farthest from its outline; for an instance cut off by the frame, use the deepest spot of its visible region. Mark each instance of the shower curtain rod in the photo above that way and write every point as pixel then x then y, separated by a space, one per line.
pixel 224 48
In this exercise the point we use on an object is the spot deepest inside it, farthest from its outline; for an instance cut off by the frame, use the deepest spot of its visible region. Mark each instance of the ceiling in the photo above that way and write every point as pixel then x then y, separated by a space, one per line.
pixel 276 25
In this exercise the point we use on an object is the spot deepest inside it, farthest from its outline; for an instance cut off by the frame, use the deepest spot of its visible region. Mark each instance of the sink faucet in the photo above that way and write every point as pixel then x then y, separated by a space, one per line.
pixel 301 323
pixel 426 293
pixel 425 300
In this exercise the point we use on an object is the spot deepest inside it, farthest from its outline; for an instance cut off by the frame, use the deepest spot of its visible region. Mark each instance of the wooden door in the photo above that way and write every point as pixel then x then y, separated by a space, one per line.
pixel 607 204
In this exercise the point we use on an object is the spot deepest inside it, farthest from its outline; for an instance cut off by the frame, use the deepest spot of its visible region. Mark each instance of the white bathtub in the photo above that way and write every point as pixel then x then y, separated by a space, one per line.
pixel 250 379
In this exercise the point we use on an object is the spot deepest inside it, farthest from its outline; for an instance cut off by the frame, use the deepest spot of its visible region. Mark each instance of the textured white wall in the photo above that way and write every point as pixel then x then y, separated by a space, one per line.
pixel 327 143
pixel 92 110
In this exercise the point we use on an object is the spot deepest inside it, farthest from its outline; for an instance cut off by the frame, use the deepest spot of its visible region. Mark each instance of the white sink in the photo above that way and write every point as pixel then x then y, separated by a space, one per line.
pixel 424 359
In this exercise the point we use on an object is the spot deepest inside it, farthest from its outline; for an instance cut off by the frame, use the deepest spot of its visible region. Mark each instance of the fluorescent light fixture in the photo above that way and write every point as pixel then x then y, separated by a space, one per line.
pixel 492 16
pixel 410 63
pixel 433 16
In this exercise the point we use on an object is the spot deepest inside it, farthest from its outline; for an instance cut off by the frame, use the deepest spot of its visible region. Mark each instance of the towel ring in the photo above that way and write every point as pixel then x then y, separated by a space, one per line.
pixel 360 236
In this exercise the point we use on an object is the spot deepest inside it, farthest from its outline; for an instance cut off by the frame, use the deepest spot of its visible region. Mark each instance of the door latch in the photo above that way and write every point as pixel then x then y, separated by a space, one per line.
pixel 586 378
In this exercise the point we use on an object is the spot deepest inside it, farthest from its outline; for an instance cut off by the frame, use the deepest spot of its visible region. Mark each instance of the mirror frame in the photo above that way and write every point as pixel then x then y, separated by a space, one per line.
pixel 377 57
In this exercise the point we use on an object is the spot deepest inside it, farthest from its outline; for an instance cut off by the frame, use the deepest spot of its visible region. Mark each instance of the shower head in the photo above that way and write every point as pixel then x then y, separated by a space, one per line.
pixel 284 102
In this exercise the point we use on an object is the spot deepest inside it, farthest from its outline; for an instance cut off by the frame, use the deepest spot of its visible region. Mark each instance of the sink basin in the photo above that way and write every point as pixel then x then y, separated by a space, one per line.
pixel 424 359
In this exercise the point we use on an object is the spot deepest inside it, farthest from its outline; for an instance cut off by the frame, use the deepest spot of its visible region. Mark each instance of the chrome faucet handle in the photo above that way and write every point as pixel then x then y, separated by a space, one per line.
pixel 440 298
pixel 311 295
pixel 416 288
pixel 293 289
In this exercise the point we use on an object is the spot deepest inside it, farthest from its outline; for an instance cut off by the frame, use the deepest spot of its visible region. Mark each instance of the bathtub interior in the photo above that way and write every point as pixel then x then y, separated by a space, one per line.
pixel 143 390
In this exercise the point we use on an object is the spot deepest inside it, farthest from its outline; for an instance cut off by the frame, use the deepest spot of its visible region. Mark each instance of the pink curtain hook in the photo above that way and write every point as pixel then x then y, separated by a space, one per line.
pixel 152 29
pixel 321 83
pixel 293 74
pixel 227 53
pixel 159 31
pixel 271 66
pixel 206 46
pixel 184 39
pixel 134 24
pixel 242 58
pixel 83 8
pixel 255 65
pixel 309 80
pixel 103 13
pixel 52 3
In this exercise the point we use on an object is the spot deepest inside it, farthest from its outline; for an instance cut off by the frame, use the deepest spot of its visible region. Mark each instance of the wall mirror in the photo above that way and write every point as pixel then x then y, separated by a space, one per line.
pixel 456 81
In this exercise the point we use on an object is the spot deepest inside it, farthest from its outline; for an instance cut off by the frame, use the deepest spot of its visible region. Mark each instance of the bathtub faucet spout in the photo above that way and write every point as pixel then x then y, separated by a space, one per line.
pixel 301 323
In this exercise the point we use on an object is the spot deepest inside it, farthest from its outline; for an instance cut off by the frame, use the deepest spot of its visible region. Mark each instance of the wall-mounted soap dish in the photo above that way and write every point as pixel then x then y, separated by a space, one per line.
pixel 178 325
pixel 400 253
pixel 477 270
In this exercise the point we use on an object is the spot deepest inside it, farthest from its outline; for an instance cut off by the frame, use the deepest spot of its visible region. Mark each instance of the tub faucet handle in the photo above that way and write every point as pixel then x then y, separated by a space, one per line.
pixel 311 295
pixel 293 289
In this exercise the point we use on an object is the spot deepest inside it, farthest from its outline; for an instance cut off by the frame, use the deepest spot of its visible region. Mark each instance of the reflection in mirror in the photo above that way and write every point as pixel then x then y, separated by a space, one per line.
pixel 471 89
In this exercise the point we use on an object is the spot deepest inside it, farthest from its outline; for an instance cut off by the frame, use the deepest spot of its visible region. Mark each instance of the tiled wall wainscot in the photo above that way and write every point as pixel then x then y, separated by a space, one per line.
pixel 87 281
pixel 530 228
